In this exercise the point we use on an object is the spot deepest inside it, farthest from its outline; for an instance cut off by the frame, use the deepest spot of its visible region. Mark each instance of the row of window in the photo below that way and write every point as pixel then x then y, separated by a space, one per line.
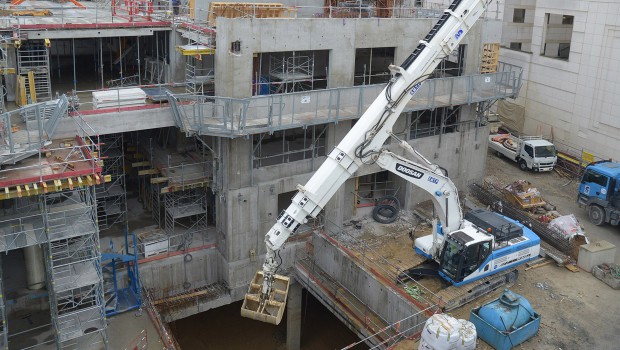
pixel 557 34
pixel 518 16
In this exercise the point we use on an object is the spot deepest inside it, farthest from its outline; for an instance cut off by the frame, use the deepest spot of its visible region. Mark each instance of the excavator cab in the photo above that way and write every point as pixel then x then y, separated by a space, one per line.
pixel 270 309
pixel 459 259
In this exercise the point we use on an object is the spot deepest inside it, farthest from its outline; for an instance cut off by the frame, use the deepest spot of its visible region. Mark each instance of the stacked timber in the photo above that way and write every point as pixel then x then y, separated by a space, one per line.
pixel 119 98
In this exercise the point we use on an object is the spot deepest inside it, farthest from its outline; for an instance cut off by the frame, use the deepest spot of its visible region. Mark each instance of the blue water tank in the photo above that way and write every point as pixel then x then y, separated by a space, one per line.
pixel 511 311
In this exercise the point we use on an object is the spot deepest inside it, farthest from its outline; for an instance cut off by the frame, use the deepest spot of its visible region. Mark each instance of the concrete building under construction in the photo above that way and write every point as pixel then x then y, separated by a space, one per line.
pixel 147 146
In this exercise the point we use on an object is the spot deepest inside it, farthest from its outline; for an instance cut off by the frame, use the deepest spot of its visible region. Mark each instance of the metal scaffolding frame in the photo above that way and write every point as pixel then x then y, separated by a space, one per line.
pixel 174 187
pixel 111 196
pixel 50 189
pixel 33 56
pixel 230 117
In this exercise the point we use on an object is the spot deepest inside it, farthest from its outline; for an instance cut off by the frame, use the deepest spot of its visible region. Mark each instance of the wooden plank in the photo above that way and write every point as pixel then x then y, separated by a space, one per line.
pixel 139 164
pixel 148 172
pixel 159 180
pixel 181 297
pixel 539 265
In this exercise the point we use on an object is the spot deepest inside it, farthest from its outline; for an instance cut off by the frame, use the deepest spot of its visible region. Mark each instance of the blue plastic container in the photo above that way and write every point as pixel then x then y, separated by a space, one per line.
pixel 505 322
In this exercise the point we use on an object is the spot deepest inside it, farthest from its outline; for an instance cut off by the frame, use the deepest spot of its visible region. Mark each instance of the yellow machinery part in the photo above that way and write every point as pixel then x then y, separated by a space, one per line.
pixel 271 310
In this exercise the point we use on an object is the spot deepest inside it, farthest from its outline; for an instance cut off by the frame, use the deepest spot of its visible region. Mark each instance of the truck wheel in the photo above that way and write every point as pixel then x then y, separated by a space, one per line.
pixel 596 214
pixel 523 165
pixel 498 154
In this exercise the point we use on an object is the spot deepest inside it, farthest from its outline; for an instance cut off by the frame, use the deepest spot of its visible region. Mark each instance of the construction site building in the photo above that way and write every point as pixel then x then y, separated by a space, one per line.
pixel 166 137
pixel 568 51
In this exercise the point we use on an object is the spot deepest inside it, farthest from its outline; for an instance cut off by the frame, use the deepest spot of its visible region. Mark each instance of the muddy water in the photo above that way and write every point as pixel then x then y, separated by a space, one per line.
pixel 224 328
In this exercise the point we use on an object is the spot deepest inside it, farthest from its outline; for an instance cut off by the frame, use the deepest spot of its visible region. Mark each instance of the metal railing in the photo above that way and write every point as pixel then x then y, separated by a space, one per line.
pixel 225 116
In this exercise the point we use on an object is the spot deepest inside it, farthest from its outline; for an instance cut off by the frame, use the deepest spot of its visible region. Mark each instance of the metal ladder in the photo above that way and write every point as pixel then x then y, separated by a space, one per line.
pixel 33 56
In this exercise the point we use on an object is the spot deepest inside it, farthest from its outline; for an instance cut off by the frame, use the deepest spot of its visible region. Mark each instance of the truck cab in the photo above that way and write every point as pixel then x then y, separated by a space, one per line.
pixel 599 191
pixel 538 155
pixel 530 152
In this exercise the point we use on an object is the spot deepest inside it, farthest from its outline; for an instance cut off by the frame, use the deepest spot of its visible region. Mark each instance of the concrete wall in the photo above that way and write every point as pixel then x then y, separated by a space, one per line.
pixel 575 100
pixel 518 32
pixel 340 36
pixel 392 306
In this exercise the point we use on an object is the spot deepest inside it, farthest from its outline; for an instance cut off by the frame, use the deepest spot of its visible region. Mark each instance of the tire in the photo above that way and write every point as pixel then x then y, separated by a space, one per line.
pixel 596 214
pixel 523 165
pixel 512 276
pixel 498 154
pixel 385 213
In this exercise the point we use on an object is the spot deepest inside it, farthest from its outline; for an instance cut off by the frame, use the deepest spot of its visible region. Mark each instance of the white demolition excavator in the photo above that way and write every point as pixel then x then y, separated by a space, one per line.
pixel 466 249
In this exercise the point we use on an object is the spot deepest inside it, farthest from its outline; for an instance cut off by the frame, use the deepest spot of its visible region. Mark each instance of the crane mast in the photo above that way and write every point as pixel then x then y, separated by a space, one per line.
pixel 363 143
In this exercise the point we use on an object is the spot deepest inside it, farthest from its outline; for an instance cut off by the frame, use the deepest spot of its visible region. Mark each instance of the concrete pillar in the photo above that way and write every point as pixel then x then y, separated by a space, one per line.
pixel 11 79
pixel 176 68
pixel 293 317
pixel 35 271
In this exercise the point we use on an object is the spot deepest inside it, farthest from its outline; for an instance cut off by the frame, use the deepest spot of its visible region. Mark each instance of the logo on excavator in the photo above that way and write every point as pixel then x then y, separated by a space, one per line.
pixel 408 171
pixel 458 34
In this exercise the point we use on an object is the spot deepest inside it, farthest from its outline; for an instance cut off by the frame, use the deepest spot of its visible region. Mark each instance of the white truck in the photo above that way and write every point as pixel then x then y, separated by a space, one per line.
pixel 530 152
pixel 465 248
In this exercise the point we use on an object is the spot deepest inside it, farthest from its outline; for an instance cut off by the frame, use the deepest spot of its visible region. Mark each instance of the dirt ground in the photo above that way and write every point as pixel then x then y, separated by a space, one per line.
pixel 577 310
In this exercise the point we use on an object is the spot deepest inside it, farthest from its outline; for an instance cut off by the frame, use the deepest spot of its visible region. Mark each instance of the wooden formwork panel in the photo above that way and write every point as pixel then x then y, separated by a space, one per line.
pixel 246 9
pixel 490 58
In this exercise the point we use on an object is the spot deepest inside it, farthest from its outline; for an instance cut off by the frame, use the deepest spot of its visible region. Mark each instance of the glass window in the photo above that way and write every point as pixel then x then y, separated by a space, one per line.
pixel 545 151
pixel 518 16
pixel 529 150
pixel 515 46
pixel 594 177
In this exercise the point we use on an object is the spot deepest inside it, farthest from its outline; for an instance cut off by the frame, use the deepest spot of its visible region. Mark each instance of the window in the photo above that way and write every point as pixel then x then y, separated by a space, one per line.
pixel 515 46
pixel 563 50
pixel 545 151
pixel 371 65
pixel 418 3
pixel 291 145
pixel 429 122
pixel 595 178
pixel 557 36
pixel 235 46
pixel 529 150
pixel 518 16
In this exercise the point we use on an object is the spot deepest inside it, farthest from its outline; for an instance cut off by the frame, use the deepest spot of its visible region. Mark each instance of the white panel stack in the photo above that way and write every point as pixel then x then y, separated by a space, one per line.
pixel 119 98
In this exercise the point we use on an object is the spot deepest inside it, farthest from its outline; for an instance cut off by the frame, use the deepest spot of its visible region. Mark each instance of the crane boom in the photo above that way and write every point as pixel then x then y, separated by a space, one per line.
pixel 364 141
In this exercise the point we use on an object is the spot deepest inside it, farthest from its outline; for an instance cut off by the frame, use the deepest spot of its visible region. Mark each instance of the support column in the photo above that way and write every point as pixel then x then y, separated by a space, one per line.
pixel 293 317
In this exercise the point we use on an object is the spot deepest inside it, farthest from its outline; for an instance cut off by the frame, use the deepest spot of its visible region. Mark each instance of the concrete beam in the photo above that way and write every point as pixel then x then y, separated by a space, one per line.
pixel 116 122
pixel 91 33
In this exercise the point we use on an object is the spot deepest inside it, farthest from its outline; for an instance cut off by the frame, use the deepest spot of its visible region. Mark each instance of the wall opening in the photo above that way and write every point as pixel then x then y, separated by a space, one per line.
pixel 286 146
pixel 371 65
pixel 289 71
pixel 434 122
pixel 558 32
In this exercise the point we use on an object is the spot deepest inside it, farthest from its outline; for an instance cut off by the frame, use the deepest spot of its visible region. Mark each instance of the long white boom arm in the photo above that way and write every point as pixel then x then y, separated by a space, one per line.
pixel 367 137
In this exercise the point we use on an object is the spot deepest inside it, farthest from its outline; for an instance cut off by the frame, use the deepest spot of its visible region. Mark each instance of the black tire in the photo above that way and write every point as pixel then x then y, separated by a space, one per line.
pixel 385 213
pixel 498 154
pixel 512 276
pixel 523 165
pixel 596 214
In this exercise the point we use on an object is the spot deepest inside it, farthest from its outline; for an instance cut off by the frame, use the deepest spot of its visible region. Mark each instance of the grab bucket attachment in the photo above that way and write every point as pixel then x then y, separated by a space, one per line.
pixel 272 309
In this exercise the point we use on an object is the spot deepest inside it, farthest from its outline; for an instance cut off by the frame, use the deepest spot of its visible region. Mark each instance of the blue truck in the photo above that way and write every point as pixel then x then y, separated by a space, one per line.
pixel 599 192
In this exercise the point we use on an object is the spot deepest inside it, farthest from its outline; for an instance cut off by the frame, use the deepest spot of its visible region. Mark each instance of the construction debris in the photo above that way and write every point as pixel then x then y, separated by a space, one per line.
pixel 522 193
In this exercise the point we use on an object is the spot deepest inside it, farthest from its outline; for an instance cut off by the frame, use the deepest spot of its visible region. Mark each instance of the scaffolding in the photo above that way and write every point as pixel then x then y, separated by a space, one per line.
pixel 174 187
pixel 49 199
pixel 291 73
pixel 111 196
pixel 34 69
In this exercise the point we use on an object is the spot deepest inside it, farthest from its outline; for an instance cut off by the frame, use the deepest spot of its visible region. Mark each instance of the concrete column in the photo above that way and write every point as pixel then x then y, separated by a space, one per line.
pixel 35 271
pixel 293 317
pixel 11 79
pixel 176 69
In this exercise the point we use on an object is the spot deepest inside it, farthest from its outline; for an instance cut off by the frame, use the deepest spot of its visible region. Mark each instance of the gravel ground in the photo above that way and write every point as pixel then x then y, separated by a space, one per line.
pixel 577 310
